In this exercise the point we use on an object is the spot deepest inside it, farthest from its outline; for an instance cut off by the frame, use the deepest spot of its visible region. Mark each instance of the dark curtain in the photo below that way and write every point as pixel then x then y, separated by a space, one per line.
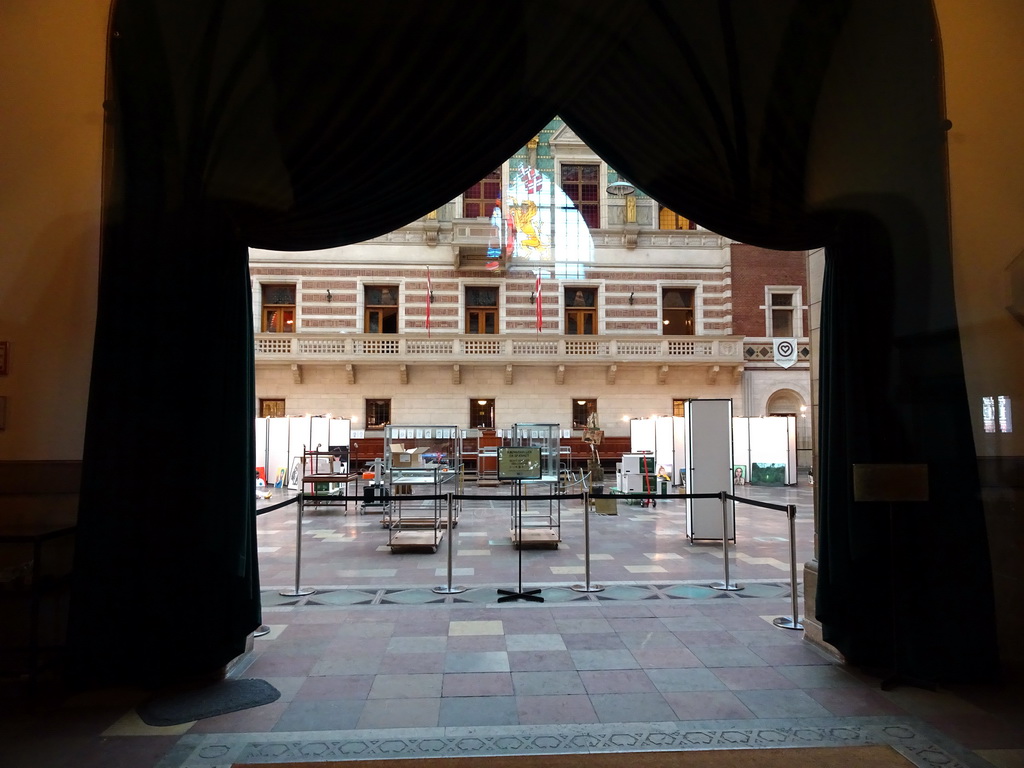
pixel 308 124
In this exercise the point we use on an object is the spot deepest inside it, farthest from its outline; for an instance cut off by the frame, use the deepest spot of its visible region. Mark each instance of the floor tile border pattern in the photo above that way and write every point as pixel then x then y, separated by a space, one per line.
pixel 915 741
pixel 613 591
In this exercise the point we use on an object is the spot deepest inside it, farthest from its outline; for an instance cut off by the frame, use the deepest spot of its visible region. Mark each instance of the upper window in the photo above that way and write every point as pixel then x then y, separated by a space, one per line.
pixel 668 219
pixel 481 309
pixel 271 407
pixel 481 413
pixel 580 310
pixel 381 309
pixel 378 413
pixel 479 200
pixel 582 184
pixel 782 308
pixel 582 411
pixel 677 311
pixel 278 309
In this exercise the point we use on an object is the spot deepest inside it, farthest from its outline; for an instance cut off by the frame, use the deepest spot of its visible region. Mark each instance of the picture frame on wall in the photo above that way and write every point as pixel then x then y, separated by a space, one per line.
pixel 5 357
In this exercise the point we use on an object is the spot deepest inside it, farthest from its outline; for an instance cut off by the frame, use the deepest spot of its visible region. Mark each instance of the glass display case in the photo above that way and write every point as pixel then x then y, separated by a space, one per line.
pixel 543 436
pixel 538 521
pixel 417 447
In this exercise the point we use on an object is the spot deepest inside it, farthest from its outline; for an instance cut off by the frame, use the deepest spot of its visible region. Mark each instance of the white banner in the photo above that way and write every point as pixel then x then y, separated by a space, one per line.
pixel 785 352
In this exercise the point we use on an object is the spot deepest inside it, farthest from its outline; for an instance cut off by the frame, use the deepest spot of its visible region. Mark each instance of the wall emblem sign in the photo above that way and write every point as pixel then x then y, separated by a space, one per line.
pixel 785 352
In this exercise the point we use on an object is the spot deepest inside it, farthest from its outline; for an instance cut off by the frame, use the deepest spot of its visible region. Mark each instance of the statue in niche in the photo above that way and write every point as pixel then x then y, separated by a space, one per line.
pixel 631 209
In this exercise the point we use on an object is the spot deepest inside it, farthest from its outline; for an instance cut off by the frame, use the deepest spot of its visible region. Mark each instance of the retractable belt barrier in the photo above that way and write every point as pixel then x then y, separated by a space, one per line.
pixel 586 496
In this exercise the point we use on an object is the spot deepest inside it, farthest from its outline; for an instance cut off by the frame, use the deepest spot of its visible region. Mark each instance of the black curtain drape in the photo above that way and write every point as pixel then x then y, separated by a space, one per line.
pixel 307 124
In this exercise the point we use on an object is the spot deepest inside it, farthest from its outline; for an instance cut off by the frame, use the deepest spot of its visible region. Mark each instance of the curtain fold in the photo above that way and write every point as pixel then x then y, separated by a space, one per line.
pixel 306 124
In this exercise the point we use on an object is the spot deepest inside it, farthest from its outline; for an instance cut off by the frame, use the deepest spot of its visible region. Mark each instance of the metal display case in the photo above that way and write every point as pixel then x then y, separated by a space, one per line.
pixel 418 523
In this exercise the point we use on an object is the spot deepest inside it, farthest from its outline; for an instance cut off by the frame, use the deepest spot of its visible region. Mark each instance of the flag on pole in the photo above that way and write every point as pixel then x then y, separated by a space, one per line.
pixel 430 300
pixel 540 304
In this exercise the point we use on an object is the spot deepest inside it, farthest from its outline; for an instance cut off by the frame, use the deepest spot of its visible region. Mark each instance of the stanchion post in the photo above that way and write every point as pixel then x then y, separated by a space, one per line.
pixel 587 586
pixel 726 586
pixel 298 591
pixel 791 622
pixel 449 589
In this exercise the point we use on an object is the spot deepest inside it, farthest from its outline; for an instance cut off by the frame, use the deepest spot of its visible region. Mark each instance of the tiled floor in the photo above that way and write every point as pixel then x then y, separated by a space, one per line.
pixel 376 663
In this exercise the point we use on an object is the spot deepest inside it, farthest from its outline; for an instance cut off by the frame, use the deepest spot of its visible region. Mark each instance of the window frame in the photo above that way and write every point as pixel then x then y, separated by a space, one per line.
pixel 382 311
pixel 278 404
pixel 795 310
pixel 586 408
pixel 486 202
pixel 596 205
pixel 664 214
pixel 694 292
pixel 268 310
pixel 483 310
pixel 581 314
pixel 487 409
pixel 376 402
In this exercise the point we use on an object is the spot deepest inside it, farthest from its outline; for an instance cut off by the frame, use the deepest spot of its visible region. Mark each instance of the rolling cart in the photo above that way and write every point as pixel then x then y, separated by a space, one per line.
pixel 376 494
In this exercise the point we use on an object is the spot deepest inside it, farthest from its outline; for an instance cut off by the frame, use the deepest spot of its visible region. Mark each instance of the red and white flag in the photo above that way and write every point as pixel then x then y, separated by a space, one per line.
pixel 540 304
pixel 430 300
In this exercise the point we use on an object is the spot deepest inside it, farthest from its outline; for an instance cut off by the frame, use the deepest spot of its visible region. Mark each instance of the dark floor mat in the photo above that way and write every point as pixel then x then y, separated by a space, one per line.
pixel 217 699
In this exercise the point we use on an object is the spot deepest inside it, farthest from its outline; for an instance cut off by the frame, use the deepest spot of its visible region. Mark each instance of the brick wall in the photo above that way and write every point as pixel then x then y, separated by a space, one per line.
pixel 752 269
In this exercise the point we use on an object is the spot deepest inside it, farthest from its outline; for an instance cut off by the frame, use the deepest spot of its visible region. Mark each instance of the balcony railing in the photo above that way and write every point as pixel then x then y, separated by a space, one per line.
pixel 331 348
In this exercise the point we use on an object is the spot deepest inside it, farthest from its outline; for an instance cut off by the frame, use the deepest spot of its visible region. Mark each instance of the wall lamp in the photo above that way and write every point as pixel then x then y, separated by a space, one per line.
pixel 533 298
pixel 631 299
pixel 329 296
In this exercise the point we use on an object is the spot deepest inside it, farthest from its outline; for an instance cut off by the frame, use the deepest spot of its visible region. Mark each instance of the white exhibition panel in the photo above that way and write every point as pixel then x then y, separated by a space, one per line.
pixel 277 447
pixel 260 446
pixel 680 439
pixel 641 436
pixel 773 444
pixel 319 433
pixel 741 445
pixel 340 432
pixel 791 463
pixel 298 443
pixel 665 445
pixel 710 471
pixel 665 437
pixel 280 442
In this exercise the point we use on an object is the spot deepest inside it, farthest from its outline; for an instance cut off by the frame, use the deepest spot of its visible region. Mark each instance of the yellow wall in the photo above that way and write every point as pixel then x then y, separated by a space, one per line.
pixel 52 66
pixel 985 102
pixel 52 60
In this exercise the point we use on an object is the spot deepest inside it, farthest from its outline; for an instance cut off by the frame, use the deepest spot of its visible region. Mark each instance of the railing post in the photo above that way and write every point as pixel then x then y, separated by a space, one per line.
pixel 449 589
pixel 298 591
pixel 791 622
pixel 586 586
pixel 726 585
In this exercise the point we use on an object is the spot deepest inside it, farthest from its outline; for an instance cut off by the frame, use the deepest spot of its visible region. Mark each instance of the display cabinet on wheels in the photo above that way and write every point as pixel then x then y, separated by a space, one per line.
pixel 420 522
pixel 421 461
pixel 538 522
